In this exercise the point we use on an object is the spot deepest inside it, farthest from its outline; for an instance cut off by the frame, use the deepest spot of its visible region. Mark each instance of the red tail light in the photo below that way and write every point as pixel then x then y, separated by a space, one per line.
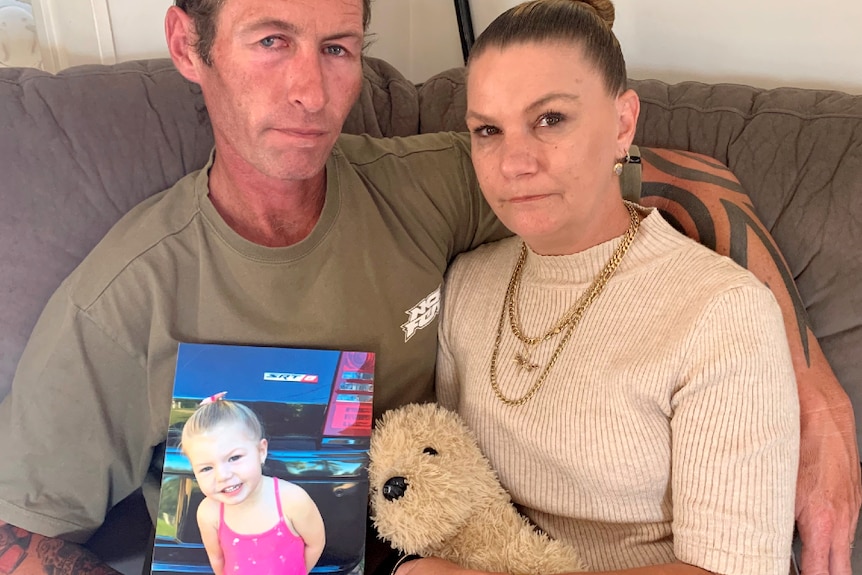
pixel 350 405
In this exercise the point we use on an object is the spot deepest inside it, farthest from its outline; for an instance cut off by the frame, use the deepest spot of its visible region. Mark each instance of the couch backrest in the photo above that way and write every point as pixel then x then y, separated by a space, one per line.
pixel 77 151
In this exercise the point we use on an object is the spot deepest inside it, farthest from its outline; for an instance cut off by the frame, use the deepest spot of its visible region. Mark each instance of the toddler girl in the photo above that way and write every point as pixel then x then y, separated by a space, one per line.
pixel 250 524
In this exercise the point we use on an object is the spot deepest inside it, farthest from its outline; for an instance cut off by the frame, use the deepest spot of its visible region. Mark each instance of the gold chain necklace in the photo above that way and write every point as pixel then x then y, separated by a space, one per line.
pixel 567 322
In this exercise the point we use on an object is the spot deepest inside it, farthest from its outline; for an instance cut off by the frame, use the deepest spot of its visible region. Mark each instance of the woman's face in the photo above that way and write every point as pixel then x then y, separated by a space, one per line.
pixel 545 137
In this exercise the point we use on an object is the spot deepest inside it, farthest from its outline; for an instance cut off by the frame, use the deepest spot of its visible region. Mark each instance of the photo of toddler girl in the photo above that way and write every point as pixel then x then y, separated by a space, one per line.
pixel 250 523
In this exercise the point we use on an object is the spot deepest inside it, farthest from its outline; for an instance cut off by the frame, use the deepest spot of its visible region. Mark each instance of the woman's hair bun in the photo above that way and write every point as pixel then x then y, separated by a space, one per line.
pixel 604 8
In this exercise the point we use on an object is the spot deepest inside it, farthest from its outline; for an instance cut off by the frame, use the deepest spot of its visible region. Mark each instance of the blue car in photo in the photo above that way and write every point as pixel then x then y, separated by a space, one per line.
pixel 315 407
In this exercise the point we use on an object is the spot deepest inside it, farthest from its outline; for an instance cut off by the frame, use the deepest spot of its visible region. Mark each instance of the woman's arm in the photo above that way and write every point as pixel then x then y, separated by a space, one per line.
pixel 735 437
pixel 208 522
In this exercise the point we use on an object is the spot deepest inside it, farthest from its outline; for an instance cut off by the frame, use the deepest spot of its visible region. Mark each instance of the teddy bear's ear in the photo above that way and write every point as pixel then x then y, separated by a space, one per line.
pixel 430 451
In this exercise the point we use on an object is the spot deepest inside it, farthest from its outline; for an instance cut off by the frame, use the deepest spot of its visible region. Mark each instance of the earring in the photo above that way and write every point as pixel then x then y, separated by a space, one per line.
pixel 618 167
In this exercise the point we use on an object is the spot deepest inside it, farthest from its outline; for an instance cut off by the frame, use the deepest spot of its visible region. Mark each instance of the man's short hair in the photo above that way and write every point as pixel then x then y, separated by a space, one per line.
pixel 205 12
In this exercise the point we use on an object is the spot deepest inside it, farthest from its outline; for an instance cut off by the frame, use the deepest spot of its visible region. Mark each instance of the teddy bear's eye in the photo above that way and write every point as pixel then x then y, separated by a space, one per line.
pixel 430 451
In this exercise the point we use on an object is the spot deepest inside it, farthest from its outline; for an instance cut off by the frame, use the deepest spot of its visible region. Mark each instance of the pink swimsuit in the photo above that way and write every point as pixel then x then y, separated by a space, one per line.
pixel 276 551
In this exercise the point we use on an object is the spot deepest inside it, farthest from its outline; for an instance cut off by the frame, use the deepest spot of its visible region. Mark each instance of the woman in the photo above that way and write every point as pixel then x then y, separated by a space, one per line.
pixel 633 389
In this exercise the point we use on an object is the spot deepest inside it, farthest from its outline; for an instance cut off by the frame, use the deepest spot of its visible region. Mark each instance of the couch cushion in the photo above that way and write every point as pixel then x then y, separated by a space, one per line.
pixel 443 102
pixel 78 150
pixel 388 104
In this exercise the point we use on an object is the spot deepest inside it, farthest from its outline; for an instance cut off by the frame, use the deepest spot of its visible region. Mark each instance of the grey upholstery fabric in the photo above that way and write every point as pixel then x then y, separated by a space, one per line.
pixel 388 104
pixel 77 151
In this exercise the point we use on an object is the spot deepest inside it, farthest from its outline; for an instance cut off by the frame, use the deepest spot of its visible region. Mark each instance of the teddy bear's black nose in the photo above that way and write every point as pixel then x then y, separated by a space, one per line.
pixel 394 488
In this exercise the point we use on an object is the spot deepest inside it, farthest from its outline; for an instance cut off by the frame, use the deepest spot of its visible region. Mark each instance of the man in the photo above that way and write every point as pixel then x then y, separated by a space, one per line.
pixel 290 236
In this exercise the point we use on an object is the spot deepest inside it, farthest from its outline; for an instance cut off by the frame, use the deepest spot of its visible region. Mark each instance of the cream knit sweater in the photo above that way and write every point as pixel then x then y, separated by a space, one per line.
pixel 668 428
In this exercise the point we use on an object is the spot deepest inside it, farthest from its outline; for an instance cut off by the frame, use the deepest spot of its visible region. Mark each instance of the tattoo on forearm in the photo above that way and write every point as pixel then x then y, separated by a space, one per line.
pixel 61 558
pixel 14 543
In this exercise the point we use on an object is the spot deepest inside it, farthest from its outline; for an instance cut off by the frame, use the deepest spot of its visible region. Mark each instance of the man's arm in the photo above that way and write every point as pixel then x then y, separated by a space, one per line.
pixel 22 552
pixel 705 202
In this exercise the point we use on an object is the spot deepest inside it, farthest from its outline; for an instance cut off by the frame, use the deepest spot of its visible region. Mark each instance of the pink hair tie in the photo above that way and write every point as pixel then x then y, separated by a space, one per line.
pixel 213 398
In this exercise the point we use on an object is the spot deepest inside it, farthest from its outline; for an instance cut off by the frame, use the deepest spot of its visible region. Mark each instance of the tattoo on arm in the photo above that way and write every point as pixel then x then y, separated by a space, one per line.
pixel 23 552
pixel 14 543
pixel 740 223
pixel 700 198
pixel 61 558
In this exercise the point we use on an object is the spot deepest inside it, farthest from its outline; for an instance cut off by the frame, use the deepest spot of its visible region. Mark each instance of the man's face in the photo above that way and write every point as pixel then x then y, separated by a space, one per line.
pixel 283 78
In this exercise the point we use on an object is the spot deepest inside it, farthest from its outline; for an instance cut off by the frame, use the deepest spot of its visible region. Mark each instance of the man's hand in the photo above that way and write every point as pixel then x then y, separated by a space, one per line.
pixel 828 492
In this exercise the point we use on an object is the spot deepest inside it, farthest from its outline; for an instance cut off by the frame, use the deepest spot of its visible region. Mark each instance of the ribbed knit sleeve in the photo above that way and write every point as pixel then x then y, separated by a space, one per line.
pixel 446 375
pixel 735 427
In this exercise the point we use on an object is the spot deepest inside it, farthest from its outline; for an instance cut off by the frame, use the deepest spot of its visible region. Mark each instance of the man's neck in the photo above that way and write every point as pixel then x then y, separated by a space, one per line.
pixel 268 212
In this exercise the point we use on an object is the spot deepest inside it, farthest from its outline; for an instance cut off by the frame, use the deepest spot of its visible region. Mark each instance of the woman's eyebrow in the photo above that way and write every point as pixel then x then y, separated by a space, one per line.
pixel 471 115
pixel 548 98
pixel 536 105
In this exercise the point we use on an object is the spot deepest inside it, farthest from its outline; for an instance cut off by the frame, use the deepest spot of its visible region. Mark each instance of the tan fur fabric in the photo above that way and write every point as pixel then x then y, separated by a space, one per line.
pixel 433 493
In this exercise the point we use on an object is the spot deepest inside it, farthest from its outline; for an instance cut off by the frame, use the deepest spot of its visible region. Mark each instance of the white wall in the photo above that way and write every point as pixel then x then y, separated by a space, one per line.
pixel 73 32
pixel 419 37
pixel 139 28
pixel 765 43
pixel 761 42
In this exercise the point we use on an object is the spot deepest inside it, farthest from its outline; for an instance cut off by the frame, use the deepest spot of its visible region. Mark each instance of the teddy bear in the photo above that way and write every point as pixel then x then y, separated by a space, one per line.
pixel 433 493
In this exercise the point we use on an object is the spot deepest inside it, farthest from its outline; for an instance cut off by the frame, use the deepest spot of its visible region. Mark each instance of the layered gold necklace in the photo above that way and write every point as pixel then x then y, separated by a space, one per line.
pixel 567 323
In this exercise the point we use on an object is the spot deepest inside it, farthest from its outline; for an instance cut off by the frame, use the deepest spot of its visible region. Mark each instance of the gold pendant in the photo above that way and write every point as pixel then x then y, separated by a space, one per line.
pixel 523 362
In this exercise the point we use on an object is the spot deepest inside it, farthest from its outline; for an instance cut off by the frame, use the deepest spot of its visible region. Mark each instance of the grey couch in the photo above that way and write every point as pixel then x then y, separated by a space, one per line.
pixel 80 148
